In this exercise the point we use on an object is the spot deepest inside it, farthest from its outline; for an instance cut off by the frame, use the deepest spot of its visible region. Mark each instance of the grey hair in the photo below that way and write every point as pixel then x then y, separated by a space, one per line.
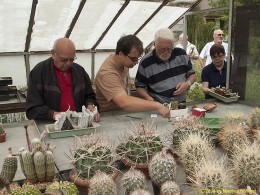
pixel 215 31
pixel 164 33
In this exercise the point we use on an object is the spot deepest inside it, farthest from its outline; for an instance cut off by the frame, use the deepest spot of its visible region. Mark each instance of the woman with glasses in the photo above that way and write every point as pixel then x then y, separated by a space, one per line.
pixel 58 84
pixel 214 74
pixel 218 38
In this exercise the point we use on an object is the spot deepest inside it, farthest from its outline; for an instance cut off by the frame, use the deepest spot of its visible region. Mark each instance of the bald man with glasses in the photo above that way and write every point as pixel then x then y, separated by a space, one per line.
pixel 58 84
pixel 218 37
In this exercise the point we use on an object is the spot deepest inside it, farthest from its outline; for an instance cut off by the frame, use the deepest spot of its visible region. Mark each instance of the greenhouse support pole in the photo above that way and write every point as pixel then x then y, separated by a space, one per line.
pixel 229 60
pixel 185 41
pixel 93 52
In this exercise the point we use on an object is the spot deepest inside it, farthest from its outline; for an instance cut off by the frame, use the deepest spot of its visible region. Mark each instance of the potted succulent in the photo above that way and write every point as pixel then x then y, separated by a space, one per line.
pixel 2 134
pixel 138 147
pixel 90 154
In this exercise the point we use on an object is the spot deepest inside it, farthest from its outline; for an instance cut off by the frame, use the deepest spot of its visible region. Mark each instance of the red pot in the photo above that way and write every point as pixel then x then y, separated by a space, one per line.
pixel 3 137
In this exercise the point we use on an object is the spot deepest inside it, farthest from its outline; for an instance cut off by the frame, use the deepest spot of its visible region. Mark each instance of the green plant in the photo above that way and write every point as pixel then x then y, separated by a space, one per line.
pixel 101 183
pixel 64 187
pixel 162 167
pixel 170 188
pixel 2 131
pixel 8 171
pixel 92 153
pixel 133 179
pixel 140 144
pixel 26 190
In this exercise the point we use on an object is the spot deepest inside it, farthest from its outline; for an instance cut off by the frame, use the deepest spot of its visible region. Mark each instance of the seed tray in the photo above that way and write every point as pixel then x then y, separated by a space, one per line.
pixel 223 98
pixel 70 133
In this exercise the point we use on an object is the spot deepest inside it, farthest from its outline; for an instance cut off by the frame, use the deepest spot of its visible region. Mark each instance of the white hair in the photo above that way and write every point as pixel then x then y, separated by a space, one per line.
pixel 164 33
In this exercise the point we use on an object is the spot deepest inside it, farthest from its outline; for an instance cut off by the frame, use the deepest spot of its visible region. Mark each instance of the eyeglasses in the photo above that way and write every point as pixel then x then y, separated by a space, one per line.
pixel 134 59
pixel 221 35
pixel 63 60
pixel 164 49
pixel 216 57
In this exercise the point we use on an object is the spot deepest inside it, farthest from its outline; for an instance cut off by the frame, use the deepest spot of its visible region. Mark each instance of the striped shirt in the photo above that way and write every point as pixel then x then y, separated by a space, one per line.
pixel 160 78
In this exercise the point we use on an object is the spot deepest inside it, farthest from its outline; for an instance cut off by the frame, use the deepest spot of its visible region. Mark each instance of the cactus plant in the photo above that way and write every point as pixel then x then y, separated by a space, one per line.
pixel 170 188
pixel 233 118
pixel 183 126
pixel 254 118
pixel 212 174
pixel 26 190
pixel 162 167
pixel 64 186
pixel 140 192
pixel 140 144
pixel 133 179
pixel 9 168
pixel 92 153
pixel 101 183
pixel 192 150
pixel 2 134
pixel 232 136
pixel 246 166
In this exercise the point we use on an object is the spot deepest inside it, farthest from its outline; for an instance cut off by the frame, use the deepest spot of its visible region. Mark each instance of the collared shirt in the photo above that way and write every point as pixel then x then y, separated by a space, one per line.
pixel 65 84
pixel 214 76
pixel 160 78
pixel 205 52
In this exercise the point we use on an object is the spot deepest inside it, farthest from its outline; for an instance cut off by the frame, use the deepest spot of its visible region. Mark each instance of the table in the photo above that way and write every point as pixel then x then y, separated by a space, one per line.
pixel 114 124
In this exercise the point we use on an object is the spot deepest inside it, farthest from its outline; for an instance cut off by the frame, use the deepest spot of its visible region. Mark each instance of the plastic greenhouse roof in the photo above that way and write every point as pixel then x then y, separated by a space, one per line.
pixel 33 25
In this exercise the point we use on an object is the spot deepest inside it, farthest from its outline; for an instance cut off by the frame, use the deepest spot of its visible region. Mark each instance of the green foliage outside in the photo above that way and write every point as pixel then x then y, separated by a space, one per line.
pixel 196 93
pixel 252 86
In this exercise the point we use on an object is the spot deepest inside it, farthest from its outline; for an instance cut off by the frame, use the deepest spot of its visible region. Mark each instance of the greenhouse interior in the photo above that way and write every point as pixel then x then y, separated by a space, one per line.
pixel 208 143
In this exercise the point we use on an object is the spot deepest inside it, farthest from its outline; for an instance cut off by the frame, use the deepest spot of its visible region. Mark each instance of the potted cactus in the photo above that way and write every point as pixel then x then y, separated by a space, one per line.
pixel 2 134
pixel 138 147
pixel 91 153
pixel 170 187
pixel 62 187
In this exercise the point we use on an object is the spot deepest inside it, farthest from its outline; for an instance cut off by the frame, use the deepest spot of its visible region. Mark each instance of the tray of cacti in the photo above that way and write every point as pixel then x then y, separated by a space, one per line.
pixel 138 146
pixel 91 153
pixel 224 94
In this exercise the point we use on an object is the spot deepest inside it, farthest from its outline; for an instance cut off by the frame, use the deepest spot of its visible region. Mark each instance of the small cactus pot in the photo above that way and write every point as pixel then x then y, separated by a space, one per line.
pixel 2 137
pixel 83 184
pixel 143 167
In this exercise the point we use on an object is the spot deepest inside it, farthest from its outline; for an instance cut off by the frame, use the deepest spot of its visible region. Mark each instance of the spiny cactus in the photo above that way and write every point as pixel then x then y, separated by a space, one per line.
pixel 254 118
pixel 233 118
pixel 101 183
pixel 212 174
pixel 63 186
pixel 162 167
pixel 185 125
pixel 246 166
pixel 192 150
pixel 37 165
pixel 92 153
pixel 133 179
pixel 140 144
pixel 231 136
pixel 2 131
pixel 9 167
pixel 140 192
pixel 26 190
pixel 170 188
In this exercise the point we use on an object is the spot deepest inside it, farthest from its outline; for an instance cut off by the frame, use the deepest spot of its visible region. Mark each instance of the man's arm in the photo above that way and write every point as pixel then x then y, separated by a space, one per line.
pixel 35 108
pixel 141 92
pixel 183 87
pixel 201 61
pixel 135 104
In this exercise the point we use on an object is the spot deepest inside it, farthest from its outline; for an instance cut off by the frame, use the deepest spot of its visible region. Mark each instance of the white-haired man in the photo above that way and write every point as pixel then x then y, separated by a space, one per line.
pixel 218 37
pixel 164 74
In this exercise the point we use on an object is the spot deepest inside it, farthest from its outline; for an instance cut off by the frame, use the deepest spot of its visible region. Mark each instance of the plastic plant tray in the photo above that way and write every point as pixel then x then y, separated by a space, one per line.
pixel 213 124
pixel 70 133
pixel 223 98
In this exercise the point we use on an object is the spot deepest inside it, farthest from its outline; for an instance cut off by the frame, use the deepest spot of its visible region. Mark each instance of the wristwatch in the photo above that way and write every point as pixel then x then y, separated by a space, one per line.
pixel 188 82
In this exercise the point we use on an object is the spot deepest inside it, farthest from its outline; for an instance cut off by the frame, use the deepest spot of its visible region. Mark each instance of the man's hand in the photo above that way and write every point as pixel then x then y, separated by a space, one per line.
pixel 91 108
pixel 164 111
pixel 181 88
